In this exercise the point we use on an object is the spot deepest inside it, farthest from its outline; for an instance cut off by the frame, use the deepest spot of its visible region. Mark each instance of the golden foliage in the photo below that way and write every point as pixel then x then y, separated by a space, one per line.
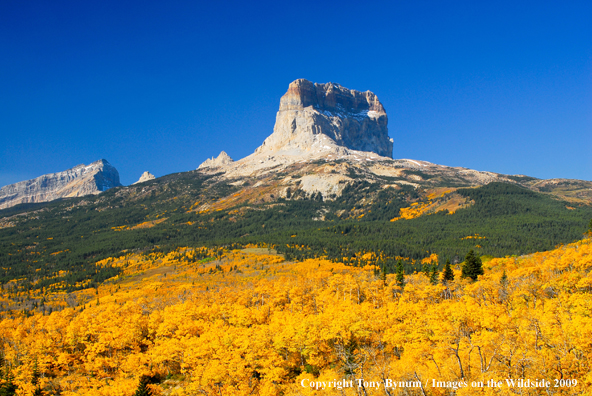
pixel 254 324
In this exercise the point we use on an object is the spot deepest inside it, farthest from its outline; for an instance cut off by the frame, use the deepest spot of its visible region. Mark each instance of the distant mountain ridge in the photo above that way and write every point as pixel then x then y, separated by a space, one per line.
pixel 146 176
pixel 78 181
pixel 326 138
pixel 221 160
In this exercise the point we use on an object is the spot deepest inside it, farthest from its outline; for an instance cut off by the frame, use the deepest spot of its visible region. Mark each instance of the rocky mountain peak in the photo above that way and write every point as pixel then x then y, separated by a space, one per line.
pixel 328 117
pixel 146 176
pixel 328 97
pixel 221 160
pixel 78 181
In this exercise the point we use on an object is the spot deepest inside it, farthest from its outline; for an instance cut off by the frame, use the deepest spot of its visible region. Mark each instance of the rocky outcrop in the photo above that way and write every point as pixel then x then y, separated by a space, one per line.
pixel 145 177
pixel 221 160
pixel 328 117
pixel 76 182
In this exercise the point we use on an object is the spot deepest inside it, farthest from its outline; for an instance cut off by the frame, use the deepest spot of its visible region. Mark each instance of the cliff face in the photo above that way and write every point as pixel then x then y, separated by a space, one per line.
pixel 76 182
pixel 320 117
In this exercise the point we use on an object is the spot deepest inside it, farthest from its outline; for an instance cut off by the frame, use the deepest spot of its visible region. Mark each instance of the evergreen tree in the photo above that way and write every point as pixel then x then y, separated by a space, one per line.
pixel 400 271
pixel 504 279
pixel 434 274
pixel 426 269
pixel 504 284
pixel 473 266
pixel 447 274
pixel 36 374
pixel 35 380
pixel 143 389
pixel 383 275
pixel 8 388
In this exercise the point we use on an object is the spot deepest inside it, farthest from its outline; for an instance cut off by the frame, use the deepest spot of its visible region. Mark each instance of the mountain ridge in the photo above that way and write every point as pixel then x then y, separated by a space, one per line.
pixel 77 181
pixel 315 123
pixel 325 130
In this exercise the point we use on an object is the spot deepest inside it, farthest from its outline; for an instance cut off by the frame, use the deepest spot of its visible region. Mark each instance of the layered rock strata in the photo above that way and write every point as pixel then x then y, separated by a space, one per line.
pixel 76 182
pixel 315 118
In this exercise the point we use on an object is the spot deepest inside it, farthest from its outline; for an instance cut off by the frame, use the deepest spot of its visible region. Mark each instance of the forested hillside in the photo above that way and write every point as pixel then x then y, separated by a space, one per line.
pixel 58 244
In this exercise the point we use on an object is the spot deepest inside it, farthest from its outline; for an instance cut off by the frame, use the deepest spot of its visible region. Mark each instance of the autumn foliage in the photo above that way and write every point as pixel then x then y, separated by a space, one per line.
pixel 245 323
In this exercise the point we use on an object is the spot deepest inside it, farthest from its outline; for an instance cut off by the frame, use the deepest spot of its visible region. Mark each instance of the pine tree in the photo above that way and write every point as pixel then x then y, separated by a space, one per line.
pixel 504 279
pixel 473 266
pixel 8 388
pixel 400 271
pixel 434 274
pixel 383 276
pixel 36 374
pixel 504 286
pixel 447 274
pixel 35 380
pixel 426 269
pixel 143 389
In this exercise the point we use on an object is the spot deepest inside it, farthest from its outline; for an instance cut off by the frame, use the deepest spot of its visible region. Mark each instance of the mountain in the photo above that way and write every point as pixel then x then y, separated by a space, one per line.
pixel 146 176
pixel 302 198
pixel 221 160
pixel 178 261
pixel 326 137
pixel 79 181
pixel 328 119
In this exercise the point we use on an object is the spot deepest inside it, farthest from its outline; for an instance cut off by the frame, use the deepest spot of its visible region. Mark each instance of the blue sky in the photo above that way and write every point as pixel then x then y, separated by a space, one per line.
pixel 160 86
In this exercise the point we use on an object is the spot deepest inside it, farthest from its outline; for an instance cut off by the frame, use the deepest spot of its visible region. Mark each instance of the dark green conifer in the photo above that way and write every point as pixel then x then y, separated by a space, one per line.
pixel 8 388
pixel 504 279
pixel 447 274
pixel 434 274
pixel 504 286
pixel 36 374
pixel 473 266
pixel 383 275
pixel 400 271
pixel 143 389
pixel 35 380
pixel 426 269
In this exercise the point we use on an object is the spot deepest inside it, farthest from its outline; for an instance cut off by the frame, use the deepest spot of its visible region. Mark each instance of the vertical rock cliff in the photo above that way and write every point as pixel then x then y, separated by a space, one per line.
pixel 316 117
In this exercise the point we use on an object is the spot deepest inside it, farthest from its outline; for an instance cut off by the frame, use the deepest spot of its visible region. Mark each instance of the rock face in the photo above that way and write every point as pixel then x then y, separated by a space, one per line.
pixel 221 160
pixel 328 117
pixel 76 182
pixel 145 177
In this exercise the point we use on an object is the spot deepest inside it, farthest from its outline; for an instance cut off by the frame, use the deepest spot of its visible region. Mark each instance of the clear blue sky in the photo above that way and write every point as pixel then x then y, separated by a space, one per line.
pixel 160 86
